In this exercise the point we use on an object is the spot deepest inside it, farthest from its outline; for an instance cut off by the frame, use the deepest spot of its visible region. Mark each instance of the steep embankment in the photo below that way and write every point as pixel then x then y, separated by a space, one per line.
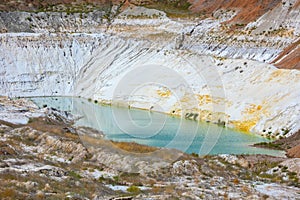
pixel 290 57
pixel 200 69
pixel 247 11
pixel 28 67
pixel 52 5
pixel 198 87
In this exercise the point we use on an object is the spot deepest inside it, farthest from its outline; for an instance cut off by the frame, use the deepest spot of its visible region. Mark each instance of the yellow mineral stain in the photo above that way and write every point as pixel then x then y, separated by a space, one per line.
pixel 185 99
pixel 164 93
pixel 188 99
pixel 279 74
pixel 204 99
pixel 229 103
pixel 265 108
pixel 253 109
pixel 245 125
pixel 251 116
pixel 207 99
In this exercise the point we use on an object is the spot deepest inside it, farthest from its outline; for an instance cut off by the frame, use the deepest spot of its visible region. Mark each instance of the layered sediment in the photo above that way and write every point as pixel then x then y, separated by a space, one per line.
pixel 211 68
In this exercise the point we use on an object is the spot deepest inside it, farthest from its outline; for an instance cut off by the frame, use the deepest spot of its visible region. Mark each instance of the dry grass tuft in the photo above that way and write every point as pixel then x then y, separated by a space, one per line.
pixel 134 147
pixel 7 194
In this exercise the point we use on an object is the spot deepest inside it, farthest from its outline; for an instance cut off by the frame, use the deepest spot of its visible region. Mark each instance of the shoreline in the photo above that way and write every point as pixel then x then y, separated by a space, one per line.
pixel 59 161
pixel 118 105
pixel 199 123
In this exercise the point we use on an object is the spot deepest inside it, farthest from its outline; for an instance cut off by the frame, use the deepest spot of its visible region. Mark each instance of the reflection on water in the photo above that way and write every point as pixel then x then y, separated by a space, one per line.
pixel 156 129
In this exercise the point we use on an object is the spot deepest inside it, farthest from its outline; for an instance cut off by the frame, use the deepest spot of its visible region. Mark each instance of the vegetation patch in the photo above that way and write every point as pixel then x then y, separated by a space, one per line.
pixel 173 9
pixel 134 147
pixel 134 189
pixel 269 145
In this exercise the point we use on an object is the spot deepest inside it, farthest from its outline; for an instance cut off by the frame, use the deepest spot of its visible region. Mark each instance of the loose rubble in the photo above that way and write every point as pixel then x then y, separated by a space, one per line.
pixel 58 163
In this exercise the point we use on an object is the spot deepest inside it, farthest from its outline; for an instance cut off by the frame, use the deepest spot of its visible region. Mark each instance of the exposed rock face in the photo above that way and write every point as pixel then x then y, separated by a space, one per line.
pixel 185 167
pixel 280 19
pixel 70 55
pixel 120 160
pixel 290 57
pixel 18 111
pixel 85 59
pixel 293 165
pixel 37 163
pixel 247 10
pixel 235 160
pixel 214 69
pixel 50 21
pixel 215 74
pixel 55 5
pixel 46 143
pixel 290 145
pixel 294 152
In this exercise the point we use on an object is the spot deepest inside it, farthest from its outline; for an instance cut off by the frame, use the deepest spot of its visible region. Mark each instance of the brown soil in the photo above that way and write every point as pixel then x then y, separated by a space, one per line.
pixel 290 57
pixel 9 124
pixel 6 149
pixel 254 159
pixel 294 152
pixel 290 145
pixel 247 10
pixel 134 147
pixel 34 5
pixel 47 125
pixel 290 142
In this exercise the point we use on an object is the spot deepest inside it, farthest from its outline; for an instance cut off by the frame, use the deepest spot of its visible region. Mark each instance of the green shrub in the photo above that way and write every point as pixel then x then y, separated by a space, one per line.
pixel 75 175
pixel 133 189
pixel 194 155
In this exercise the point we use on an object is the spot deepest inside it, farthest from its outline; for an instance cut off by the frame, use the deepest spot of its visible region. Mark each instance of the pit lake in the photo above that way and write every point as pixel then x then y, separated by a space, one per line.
pixel 157 129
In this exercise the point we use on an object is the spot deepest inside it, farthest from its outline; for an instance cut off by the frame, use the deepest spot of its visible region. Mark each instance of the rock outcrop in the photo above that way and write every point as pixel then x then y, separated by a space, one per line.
pixel 217 66
pixel 248 11
pixel 290 57
pixel 57 163
pixel 85 59
pixel 215 73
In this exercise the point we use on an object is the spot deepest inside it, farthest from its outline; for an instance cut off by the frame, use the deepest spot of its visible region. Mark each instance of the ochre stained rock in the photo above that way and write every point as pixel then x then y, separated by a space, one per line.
pixel 247 10
pixel 290 57
pixel 294 152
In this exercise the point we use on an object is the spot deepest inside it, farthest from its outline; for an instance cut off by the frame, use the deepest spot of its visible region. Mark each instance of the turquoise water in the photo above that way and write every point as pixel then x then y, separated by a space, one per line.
pixel 156 129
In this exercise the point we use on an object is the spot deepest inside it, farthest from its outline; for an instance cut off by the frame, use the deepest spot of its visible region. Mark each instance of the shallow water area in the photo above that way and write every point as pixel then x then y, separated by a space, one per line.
pixel 157 129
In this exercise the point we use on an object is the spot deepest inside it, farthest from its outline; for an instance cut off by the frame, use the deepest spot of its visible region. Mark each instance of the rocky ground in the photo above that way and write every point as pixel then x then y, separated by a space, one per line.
pixel 48 158
pixel 216 49
pixel 43 156
pixel 290 145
